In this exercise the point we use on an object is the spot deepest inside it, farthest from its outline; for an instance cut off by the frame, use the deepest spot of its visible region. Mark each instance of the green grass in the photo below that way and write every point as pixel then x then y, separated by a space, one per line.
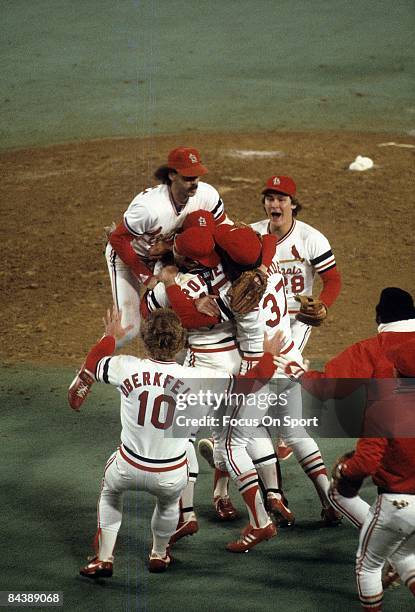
pixel 52 463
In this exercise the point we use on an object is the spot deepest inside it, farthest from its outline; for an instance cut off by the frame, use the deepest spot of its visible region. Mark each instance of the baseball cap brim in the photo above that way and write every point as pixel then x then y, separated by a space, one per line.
pixel 275 190
pixel 192 170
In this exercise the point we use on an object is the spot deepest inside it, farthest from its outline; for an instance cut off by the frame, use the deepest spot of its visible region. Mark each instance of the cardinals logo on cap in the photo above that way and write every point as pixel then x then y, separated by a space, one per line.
pixel 193 158
pixel 276 180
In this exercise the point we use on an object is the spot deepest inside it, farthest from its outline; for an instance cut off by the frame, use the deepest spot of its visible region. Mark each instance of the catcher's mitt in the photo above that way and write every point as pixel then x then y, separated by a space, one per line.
pixel 247 291
pixel 348 487
pixel 312 310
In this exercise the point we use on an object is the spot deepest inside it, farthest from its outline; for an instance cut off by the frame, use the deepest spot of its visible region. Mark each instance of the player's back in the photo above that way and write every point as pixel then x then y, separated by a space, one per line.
pixel 150 392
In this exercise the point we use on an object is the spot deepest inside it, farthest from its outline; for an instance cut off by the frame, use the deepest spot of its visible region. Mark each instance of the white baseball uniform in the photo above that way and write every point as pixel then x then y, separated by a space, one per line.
pixel 152 215
pixel 152 453
pixel 302 252
pixel 275 315
pixel 215 347
pixel 388 530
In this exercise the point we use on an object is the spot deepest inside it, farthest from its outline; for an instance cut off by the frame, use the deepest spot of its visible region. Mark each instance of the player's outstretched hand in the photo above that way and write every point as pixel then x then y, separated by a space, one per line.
pixel 207 305
pixel 112 324
pixel 291 368
pixel 274 344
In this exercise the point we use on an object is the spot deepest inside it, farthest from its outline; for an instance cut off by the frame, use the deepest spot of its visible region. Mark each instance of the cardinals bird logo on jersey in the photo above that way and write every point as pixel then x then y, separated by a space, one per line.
pixel 296 254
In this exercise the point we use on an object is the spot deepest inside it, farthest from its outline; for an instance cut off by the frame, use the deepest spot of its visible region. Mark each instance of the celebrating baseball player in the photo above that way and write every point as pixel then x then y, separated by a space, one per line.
pixel 213 344
pixel 388 526
pixel 149 223
pixel 149 457
pixel 273 313
pixel 302 251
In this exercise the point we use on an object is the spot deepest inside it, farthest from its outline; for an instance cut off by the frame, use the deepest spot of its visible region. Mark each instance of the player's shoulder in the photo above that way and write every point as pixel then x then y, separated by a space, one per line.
pixel 305 229
pixel 205 190
pixel 125 364
pixel 309 234
pixel 150 196
pixel 260 226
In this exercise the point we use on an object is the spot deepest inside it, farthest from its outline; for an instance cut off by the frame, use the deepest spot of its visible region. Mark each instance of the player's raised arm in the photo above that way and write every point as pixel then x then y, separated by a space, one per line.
pixel 85 378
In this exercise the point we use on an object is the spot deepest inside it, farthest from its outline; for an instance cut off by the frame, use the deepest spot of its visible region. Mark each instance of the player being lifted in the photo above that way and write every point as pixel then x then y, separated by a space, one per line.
pixel 212 343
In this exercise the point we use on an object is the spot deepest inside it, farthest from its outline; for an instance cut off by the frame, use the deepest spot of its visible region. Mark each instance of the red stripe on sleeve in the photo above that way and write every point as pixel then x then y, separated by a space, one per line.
pixel 120 240
pixel 185 307
pixel 106 346
pixel 332 283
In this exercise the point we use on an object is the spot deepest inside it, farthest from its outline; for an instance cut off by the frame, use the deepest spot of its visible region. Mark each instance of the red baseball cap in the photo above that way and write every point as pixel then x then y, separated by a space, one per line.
pixel 241 243
pixel 186 161
pixel 403 358
pixel 200 218
pixel 197 243
pixel 281 184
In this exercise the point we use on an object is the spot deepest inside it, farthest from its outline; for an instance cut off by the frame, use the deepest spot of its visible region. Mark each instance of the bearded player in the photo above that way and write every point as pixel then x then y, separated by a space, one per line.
pixel 148 226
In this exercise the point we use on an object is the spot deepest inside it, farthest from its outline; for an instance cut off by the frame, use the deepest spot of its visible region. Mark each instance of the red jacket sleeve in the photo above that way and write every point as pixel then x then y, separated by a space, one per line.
pixel 332 283
pixel 367 458
pixel 120 241
pixel 106 346
pixel 352 363
pixel 185 307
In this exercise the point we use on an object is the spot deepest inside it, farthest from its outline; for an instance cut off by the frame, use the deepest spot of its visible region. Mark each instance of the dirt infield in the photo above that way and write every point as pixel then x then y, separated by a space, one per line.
pixel 56 201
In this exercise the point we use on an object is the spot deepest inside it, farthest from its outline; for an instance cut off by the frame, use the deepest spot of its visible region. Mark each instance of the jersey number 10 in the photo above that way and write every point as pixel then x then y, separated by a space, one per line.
pixel 158 403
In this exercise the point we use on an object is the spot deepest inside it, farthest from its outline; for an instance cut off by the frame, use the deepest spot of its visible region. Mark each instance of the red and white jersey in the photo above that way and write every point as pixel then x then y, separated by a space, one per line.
pixel 149 393
pixel 302 252
pixel 272 316
pixel 153 214
pixel 196 284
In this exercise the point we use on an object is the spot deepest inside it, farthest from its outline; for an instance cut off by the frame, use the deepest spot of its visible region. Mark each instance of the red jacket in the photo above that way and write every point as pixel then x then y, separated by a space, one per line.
pixel 367 358
pixel 364 360
pixel 390 462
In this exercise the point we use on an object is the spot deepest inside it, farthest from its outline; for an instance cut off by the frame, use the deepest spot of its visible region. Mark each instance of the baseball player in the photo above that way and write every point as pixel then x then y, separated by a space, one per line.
pixel 150 457
pixel 148 225
pixel 302 251
pixel 274 315
pixel 252 451
pixel 388 526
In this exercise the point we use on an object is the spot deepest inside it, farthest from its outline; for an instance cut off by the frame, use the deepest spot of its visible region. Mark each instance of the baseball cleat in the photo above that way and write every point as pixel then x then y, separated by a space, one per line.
pixel 330 517
pixel 184 528
pixel 157 564
pixel 250 537
pixel 205 448
pixel 224 509
pixel 79 388
pixel 97 569
pixel 283 451
pixel 278 507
